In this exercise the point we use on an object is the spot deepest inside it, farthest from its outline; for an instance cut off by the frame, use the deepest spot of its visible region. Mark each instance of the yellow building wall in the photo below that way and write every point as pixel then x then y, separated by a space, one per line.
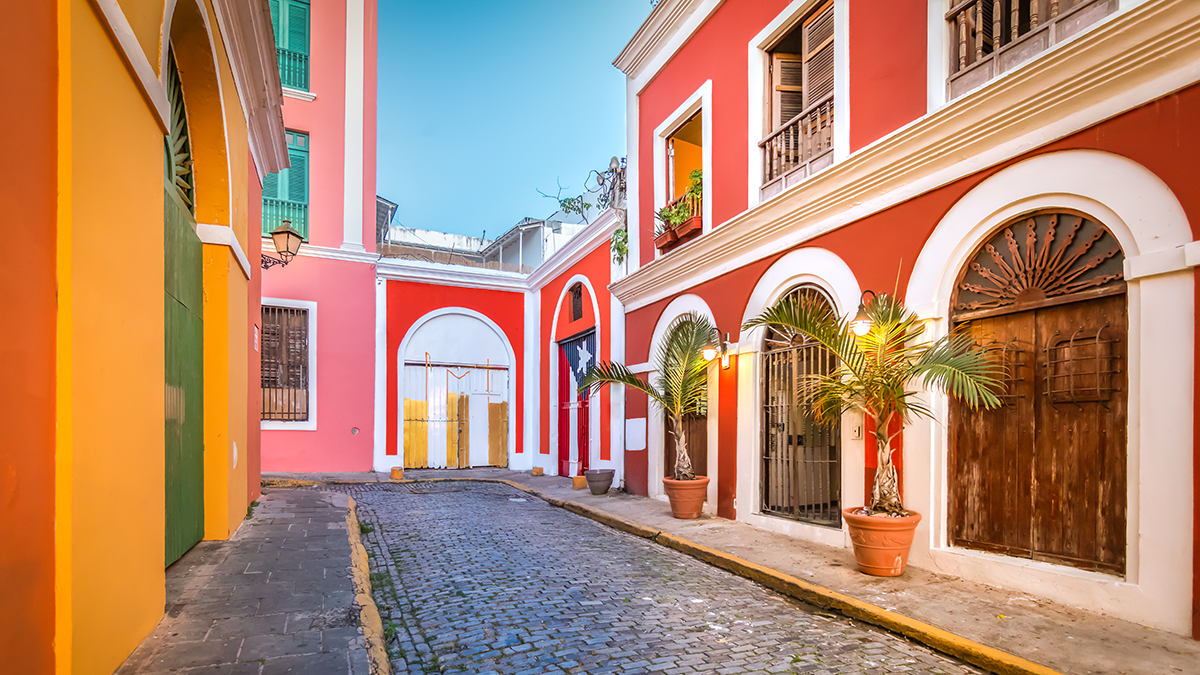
pixel 113 451
pixel 145 18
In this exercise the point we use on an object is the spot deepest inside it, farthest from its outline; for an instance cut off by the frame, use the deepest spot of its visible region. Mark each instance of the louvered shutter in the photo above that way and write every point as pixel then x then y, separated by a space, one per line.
pixel 297 177
pixel 297 26
pixel 818 55
pixel 271 186
pixel 787 87
pixel 275 22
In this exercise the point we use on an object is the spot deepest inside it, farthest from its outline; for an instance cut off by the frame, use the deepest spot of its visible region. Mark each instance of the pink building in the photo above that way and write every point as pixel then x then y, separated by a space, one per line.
pixel 317 323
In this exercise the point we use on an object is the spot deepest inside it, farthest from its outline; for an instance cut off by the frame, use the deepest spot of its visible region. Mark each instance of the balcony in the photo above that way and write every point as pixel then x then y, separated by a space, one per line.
pixel 682 220
pixel 799 148
pixel 275 211
pixel 293 69
pixel 990 37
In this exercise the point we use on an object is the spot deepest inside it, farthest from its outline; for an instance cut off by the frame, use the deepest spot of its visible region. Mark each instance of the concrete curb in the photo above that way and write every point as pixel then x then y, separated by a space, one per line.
pixel 372 624
pixel 989 658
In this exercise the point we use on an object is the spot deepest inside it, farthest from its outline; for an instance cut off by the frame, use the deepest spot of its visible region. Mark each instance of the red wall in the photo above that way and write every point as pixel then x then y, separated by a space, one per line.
pixel 717 52
pixel 596 267
pixel 889 45
pixel 28 208
pixel 408 302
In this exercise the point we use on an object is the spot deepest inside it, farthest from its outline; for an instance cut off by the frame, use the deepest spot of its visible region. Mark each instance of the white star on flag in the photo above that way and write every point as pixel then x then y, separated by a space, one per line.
pixel 584 357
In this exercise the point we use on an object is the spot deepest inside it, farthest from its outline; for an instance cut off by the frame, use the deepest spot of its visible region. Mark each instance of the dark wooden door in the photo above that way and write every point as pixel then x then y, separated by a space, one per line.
pixel 696 428
pixel 1044 476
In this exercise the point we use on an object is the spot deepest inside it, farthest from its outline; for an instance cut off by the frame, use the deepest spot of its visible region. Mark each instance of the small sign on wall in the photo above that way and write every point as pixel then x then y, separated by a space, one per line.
pixel 255 337
pixel 635 434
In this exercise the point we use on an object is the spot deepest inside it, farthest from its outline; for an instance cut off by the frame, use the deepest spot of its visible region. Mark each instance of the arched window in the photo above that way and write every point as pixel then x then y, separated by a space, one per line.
pixel 801 461
pixel 1044 475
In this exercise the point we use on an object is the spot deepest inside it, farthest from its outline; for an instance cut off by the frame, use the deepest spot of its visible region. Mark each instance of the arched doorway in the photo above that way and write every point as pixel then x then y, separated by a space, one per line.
pixel 801 460
pixel 455 392
pixel 1044 476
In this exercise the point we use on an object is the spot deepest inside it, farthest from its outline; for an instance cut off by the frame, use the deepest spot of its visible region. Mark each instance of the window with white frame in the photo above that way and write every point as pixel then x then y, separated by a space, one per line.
pixel 286 366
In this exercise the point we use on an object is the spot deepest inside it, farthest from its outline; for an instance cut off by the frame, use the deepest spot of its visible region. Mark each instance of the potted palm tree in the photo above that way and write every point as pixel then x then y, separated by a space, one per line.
pixel 680 388
pixel 880 358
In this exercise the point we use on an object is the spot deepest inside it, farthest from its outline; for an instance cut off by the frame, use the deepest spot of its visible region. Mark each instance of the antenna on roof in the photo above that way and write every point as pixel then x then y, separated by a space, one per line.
pixel 484 235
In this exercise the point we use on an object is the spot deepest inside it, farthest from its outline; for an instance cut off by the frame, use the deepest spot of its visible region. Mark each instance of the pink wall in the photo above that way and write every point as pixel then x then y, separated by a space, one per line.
pixel 345 297
pixel 343 290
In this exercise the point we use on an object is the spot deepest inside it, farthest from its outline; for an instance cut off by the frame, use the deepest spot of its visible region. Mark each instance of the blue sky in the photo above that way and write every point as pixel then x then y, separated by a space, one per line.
pixel 482 103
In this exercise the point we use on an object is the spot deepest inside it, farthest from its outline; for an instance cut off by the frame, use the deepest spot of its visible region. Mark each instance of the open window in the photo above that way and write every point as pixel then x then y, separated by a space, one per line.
pixel 799 109
pixel 682 218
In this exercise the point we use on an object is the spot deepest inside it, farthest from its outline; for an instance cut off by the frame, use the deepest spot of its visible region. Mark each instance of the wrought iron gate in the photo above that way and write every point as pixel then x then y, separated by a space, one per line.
pixel 801 460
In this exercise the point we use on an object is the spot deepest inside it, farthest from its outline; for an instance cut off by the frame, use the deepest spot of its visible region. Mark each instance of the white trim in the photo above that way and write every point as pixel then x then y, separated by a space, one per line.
pixel 841 80
pixel 299 94
pixel 1129 59
pixel 533 366
pixel 311 423
pixel 633 197
pixel 328 252
pixel 578 247
pixel 699 101
pixel 826 270
pixel 412 330
pixel 127 40
pixel 661 35
pixel 655 426
pixel 421 272
pixel 352 223
pixel 616 353
pixel 593 410
pixel 221 235
pixel 379 443
pixel 1148 221
pixel 937 65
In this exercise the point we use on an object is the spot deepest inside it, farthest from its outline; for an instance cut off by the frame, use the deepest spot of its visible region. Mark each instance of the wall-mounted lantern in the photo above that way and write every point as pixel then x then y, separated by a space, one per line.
pixel 861 324
pixel 287 244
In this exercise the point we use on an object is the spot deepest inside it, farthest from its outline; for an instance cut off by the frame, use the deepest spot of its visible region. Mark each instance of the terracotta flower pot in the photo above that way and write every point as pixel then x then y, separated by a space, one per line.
pixel 687 496
pixel 599 480
pixel 689 227
pixel 665 239
pixel 881 544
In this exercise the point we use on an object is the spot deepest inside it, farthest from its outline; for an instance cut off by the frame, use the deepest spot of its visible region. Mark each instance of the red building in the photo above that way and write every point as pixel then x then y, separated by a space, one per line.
pixel 928 150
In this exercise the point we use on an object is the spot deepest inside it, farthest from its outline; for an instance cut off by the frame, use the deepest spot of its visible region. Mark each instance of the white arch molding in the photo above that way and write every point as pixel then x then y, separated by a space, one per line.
pixel 656 428
pixel 382 463
pixel 1148 221
pixel 594 417
pixel 827 271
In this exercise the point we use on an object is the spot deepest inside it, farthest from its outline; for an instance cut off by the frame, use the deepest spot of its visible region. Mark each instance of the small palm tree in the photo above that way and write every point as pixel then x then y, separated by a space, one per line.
pixel 680 385
pixel 876 369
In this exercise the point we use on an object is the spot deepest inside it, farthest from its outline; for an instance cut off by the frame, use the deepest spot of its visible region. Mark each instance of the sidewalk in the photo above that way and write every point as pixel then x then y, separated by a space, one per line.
pixel 1068 640
pixel 279 597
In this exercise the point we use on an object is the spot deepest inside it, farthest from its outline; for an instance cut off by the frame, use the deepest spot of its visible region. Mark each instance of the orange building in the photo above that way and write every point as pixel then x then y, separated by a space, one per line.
pixel 137 129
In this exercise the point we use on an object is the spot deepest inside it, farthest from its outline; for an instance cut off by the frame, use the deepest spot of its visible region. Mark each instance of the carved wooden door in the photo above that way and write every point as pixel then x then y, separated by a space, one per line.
pixel 1044 476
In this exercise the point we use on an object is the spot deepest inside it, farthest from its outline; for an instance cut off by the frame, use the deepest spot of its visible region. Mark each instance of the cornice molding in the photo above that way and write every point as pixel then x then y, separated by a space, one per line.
pixel 652 35
pixel 328 253
pixel 416 271
pixel 250 46
pixel 299 94
pixel 221 235
pixel 576 249
pixel 1130 59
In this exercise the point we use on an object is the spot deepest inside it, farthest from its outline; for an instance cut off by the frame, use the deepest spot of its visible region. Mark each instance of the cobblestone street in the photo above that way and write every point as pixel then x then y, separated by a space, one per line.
pixel 483 578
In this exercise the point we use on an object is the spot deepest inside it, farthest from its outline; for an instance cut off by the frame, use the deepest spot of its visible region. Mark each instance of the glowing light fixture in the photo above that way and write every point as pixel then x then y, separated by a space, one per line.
pixel 861 324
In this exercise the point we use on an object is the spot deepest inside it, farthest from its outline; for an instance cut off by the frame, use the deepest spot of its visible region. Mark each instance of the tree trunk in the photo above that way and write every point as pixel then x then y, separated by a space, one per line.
pixel 885 495
pixel 683 461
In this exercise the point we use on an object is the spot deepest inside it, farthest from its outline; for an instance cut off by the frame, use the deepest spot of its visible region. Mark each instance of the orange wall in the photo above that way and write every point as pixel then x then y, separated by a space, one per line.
pixel 111 357
pixel 29 70
pixel 688 157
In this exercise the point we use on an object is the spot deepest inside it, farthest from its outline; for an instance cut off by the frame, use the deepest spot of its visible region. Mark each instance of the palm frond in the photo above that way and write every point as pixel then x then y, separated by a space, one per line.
pixel 607 372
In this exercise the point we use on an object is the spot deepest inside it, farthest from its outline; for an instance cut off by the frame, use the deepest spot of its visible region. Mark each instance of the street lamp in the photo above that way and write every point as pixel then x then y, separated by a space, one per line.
pixel 287 244
pixel 861 324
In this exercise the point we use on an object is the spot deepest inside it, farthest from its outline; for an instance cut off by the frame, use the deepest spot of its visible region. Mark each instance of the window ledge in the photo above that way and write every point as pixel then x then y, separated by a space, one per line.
pixel 299 93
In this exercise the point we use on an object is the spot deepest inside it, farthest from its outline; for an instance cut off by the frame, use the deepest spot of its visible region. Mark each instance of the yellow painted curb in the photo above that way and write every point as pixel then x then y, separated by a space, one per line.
pixel 372 625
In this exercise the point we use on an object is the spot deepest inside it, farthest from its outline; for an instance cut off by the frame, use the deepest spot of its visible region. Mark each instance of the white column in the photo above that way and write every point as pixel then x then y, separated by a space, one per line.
pixel 380 430
pixel 353 206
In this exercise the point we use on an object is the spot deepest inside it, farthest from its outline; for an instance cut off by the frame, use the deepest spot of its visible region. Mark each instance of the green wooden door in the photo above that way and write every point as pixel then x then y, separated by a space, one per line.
pixel 184 337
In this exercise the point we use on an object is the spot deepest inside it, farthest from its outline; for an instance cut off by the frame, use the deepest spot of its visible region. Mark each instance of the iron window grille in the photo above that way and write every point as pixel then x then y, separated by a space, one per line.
pixel 285 366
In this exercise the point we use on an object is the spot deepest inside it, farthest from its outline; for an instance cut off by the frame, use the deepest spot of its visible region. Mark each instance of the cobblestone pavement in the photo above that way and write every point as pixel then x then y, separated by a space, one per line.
pixel 482 578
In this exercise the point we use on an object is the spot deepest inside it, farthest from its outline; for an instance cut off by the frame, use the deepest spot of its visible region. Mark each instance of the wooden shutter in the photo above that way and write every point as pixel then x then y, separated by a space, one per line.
pixel 295 179
pixel 271 186
pixel 297 26
pixel 284 357
pixel 818 55
pixel 787 87
pixel 275 22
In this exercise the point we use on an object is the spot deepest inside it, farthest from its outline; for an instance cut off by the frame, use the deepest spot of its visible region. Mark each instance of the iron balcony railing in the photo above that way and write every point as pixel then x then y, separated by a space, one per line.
pixel 275 211
pixel 293 69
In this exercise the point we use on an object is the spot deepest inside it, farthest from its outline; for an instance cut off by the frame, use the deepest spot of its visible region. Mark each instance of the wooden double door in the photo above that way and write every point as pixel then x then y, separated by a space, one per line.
pixel 1044 476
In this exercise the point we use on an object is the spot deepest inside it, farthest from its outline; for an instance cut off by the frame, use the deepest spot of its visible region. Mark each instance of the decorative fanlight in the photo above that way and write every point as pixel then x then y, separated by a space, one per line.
pixel 179 145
